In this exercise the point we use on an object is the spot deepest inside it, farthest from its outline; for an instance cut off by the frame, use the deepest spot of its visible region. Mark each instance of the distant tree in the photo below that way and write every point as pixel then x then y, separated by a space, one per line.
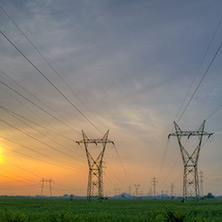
pixel 123 196
pixel 71 197
pixel 210 196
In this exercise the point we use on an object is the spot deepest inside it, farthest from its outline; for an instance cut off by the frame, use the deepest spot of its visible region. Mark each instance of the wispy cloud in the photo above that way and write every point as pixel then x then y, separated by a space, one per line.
pixel 131 62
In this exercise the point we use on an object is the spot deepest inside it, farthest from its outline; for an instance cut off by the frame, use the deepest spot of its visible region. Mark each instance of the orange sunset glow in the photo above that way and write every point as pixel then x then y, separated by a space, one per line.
pixel 71 72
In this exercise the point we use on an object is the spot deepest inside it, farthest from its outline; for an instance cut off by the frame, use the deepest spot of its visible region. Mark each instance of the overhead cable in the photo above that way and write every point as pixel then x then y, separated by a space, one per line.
pixel 50 82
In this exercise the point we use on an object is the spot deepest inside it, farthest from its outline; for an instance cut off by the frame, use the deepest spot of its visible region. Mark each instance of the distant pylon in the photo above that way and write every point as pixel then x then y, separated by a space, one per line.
pixel 162 193
pixel 190 161
pixel 43 181
pixel 201 184
pixel 95 178
pixel 154 182
pixel 172 190
pixel 129 190
pixel 137 189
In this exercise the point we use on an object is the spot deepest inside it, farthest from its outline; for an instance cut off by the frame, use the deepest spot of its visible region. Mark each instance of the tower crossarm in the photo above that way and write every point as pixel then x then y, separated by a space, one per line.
pixel 200 132
pixel 190 133
pixel 95 141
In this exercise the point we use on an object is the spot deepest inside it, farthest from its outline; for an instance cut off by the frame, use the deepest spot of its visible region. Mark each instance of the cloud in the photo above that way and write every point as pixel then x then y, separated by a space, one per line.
pixel 130 62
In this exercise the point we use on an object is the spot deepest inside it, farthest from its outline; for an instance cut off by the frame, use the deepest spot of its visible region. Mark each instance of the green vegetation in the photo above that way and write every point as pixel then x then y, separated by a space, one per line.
pixel 64 210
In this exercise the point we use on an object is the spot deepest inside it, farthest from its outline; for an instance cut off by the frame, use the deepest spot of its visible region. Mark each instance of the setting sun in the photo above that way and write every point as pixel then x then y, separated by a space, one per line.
pixel 1 159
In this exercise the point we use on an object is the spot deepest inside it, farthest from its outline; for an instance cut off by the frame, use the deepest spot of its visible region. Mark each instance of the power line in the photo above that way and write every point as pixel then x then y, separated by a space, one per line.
pixel 32 181
pixel 214 172
pixel 196 87
pixel 54 131
pixel 114 175
pixel 47 79
pixel 205 73
pixel 162 162
pixel 63 187
pixel 164 156
pixel 201 63
pixel 218 130
pixel 112 171
pixel 177 159
pixel 170 170
pixel 21 168
pixel 190 161
pixel 36 105
pixel 41 160
pixel 12 179
pixel 124 169
pixel 25 98
pixel 53 70
pixel 49 64
pixel 107 177
pixel 203 145
pixel 175 163
pixel 44 135
pixel 95 178
pixel 201 81
pixel 27 91
pixel 25 147
pixel 214 112
pixel 35 123
pixel 47 145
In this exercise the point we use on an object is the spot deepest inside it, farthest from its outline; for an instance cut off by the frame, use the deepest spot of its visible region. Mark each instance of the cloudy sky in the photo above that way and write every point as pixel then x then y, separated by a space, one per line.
pixel 125 66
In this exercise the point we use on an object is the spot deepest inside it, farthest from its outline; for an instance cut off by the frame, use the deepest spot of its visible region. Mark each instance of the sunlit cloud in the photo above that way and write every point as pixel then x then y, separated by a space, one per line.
pixel 128 66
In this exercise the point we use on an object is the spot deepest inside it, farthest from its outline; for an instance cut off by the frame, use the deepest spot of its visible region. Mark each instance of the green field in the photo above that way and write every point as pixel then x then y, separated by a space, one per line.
pixel 58 210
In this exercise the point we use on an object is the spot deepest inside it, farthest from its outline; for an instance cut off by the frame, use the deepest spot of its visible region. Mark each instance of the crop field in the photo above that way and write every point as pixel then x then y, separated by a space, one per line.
pixel 65 210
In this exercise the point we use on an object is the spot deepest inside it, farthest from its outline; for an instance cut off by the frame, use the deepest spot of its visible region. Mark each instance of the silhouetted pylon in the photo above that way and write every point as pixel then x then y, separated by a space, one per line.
pixel 95 178
pixel 43 181
pixel 190 161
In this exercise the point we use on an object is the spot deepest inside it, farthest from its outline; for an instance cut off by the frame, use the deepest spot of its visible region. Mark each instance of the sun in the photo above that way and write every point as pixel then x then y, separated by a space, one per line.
pixel 1 158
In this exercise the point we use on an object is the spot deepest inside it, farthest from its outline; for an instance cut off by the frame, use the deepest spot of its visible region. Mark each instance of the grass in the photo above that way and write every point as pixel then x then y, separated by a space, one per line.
pixel 64 210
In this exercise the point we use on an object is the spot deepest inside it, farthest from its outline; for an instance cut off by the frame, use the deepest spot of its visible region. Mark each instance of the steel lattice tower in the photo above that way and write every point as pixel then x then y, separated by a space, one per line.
pixel 137 186
pixel 172 190
pixel 95 178
pixel 154 182
pixel 190 161
pixel 43 181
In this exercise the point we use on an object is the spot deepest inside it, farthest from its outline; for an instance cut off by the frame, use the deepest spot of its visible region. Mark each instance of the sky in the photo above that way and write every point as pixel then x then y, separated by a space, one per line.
pixel 129 67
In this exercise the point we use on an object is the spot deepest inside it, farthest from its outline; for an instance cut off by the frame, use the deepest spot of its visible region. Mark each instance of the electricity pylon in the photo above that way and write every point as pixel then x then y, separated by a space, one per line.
pixel 137 186
pixel 154 182
pixel 172 190
pixel 95 178
pixel 43 181
pixel 129 190
pixel 190 161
